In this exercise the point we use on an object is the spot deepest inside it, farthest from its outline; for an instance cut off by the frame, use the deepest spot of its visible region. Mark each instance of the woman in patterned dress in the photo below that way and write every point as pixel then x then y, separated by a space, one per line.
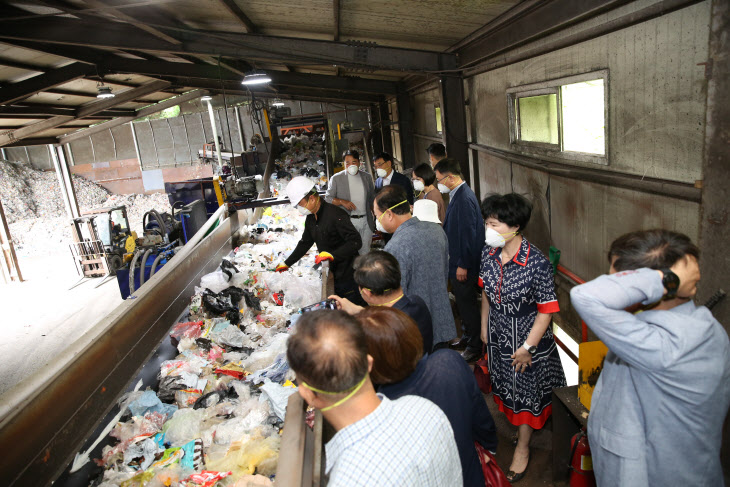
pixel 517 305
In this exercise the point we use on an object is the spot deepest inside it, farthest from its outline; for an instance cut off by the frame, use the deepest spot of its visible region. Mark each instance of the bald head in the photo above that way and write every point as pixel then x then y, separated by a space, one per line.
pixel 328 350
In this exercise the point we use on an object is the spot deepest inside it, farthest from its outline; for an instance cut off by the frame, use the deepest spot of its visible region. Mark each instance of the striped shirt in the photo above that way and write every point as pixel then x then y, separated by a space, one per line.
pixel 405 442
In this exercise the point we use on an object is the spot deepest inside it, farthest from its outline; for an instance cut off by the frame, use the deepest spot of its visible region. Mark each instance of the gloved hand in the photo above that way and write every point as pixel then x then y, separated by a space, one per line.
pixel 282 267
pixel 322 257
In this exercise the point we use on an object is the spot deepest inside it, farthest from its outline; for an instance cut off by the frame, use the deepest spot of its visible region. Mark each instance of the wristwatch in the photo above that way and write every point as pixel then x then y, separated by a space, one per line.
pixel 670 281
pixel 530 348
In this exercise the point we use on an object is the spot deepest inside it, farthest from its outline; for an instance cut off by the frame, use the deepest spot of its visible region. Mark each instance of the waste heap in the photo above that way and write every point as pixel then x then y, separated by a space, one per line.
pixel 218 409
pixel 303 155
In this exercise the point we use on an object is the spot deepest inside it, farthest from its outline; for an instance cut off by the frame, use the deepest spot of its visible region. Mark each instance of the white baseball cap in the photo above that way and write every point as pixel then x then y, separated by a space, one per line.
pixel 426 211
pixel 298 188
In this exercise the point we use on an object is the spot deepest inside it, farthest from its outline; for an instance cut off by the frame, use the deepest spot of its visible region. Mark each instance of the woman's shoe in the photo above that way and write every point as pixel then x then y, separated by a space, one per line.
pixel 513 477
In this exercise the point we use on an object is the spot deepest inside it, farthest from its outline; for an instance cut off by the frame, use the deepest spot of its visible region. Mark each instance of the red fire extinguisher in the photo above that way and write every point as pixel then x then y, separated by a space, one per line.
pixel 581 463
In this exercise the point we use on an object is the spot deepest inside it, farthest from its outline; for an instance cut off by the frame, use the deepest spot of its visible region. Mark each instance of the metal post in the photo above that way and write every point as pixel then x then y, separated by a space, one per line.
pixel 385 125
pixel 3 154
pixel 61 182
pixel 240 130
pixel 71 191
pixel 10 267
pixel 405 128
pixel 215 138
pixel 136 144
pixel 453 110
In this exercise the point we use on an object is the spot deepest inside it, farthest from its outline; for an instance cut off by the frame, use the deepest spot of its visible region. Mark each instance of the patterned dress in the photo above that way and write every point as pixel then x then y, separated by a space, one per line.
pixel 517 291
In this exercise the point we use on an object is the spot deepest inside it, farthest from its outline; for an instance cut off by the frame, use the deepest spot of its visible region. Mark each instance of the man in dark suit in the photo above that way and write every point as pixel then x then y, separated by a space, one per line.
pixel 464 227
pixel 387 175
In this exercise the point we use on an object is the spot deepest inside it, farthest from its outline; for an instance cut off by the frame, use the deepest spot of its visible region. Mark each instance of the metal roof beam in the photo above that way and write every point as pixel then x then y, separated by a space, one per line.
pixel 236 11
pixel 143 112
pixel 37 110
pixel 116 35
pixel 533 22
pixel 205 71
pixel 336 13
pixel 42 82
pixel 82 112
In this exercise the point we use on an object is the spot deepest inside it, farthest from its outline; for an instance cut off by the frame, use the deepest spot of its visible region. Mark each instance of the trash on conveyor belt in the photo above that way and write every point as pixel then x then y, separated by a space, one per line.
pixel 303 155
pixel 217 413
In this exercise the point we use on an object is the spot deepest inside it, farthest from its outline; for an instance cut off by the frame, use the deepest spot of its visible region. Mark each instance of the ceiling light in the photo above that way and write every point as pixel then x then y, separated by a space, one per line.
pixel 256 78
pixel 104 92
pixel 206 98
pixel 277 102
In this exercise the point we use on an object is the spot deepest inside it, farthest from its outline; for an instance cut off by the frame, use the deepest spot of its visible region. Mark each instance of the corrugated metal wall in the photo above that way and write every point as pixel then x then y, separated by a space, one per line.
pixel 656 126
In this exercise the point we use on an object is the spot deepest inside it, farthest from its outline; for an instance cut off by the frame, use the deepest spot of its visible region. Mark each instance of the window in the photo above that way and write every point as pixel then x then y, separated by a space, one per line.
pixel 564 118
pixel 438 119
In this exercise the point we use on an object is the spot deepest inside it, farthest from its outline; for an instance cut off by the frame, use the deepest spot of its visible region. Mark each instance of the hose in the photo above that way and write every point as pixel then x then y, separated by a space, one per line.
pixel 154 264
pixel 131 270
pixel 142 266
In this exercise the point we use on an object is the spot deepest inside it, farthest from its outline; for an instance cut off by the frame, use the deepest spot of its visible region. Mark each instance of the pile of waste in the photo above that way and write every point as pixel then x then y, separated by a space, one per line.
pixel 27 192
pixel 218 410
pixel 37 236
pixel 303 155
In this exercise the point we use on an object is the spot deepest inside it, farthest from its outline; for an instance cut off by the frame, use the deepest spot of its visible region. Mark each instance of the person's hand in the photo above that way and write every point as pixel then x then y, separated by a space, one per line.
pixel 460 274
pixel 348 205
pixel 282 267
pixel 521 359
pixel 484 335
pixel 346 305
pixel 322 257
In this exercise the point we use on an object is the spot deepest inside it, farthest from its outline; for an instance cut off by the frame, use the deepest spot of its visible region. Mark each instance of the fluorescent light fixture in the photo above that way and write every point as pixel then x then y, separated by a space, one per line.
pixel 277 102
pixel 104 92
pixel 206 98
pixel 256 78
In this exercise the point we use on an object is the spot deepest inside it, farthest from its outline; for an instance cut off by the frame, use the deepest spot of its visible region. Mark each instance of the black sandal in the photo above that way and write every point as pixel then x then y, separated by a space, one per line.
pixel 513 477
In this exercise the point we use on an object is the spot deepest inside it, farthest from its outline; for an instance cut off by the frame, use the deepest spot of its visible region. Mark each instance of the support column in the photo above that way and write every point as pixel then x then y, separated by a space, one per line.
pixel 375 135
pixel 405 127
pixel 384 125
pixel 9 261
pixel 215 139
pixel 65 185
pixel 453 111
pixel 715 215
pixel 240 130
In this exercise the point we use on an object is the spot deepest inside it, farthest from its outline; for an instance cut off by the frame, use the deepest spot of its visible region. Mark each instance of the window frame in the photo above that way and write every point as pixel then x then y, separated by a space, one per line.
pixel 553 86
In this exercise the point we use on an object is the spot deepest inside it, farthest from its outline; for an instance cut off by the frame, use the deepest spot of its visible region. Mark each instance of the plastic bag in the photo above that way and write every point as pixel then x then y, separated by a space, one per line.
pixel 206 478
pixel 256 454
pixel 190 329
pixel 278 397
pixel 215 281
pixel 253 481
pixel 184 426
pixel 186 398
pixel 275 372
pixel 231 336
pixel 145 450
pixel 149 402
pixel 264 357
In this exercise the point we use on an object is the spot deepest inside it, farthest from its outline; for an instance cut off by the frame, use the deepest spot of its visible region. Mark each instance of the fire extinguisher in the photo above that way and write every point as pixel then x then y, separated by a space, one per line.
pixel 581 463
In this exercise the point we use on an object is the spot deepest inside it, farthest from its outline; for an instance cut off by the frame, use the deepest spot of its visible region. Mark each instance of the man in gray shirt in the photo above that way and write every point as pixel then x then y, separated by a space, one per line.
pixel 421 249
pixel 658 408
pixel 353 190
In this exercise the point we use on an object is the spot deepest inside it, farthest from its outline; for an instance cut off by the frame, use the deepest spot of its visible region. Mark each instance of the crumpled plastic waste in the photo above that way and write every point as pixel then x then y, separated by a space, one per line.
pixel 231 336
pixel 276 372
pixel 265 357
pixel 253 481
pixel 278 397
pixel 224 301
pixel 190 329
pixel 186 398
pixel 232 370
pixel 148 401
pixel 249 456
pixel 205 478
pixel 144 451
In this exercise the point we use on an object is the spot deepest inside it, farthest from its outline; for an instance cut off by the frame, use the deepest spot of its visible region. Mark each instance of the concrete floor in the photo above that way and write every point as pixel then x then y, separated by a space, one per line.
pixel 42 316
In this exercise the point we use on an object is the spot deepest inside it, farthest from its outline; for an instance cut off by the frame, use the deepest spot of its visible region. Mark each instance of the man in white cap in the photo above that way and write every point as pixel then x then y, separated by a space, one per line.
pixel 353 190
pixel 426 211
pixel 331 229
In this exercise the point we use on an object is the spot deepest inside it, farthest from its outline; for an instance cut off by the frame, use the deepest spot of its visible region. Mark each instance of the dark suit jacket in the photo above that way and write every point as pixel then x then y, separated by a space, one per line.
pixel 464 228
pixel 400 180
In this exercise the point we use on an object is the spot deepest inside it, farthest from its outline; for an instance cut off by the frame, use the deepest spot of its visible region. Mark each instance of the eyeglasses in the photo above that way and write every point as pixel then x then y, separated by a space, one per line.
pixel 445 177
pixel 381 164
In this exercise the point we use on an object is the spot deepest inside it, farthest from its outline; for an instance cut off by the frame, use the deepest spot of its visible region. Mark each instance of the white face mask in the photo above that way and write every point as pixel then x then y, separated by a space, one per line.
pixel 379 227
pixel 443 188
pixel 418 185
pixel 381 173
pixel 494 239
pixel 352 170
pixel 303 210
